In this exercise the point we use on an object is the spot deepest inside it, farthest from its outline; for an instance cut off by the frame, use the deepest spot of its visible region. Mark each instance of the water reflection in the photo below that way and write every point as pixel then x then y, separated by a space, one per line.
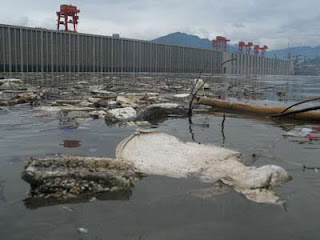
pixel 34 203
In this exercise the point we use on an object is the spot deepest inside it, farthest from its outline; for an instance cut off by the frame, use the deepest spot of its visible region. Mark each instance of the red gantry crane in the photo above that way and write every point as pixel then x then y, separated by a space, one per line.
pixel 66 12
pixel 248 47
pixel 240 46
pixel 263 50
pixel 220 43
pixel 256 50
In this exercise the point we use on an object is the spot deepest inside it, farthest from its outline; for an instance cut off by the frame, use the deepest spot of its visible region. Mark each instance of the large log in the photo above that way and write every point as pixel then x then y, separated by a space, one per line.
pixel 256 109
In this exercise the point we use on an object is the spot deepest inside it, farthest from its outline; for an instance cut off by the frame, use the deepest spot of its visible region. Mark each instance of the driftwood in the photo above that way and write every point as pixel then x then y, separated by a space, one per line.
pixel 20 100
pixel 8 102
pixel 302 102
pixel 286 114
pixel 26 97
pixel 106 97
pixel 65 101
pixel 193 95
pixel 258 110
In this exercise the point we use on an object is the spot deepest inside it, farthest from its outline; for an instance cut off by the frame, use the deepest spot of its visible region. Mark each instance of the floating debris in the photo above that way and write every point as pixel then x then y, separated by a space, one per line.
pixel 139 123
pixel 93 199
pixel 65 178
pixel 98 114
pixel 67 208
pixel 182 95
pixel 159 111
pixel 120 115
pixel 11 83
pixel 158 153
pixel 308 133
pixel 83 230
pixel 71 143
pixel 126 102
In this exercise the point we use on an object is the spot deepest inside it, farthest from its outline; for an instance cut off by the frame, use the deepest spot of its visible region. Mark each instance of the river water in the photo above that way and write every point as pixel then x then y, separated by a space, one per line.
pixel 161 207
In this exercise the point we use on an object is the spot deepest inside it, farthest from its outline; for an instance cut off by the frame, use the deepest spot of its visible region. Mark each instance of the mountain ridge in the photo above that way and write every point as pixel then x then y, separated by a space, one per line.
pixel 189 40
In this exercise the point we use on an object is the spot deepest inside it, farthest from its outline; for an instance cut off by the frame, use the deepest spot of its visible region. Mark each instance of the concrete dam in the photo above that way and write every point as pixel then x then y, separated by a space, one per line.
pixel 35 50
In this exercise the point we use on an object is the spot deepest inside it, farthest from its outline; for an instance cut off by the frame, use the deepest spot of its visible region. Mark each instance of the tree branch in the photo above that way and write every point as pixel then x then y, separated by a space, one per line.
pixel 204 82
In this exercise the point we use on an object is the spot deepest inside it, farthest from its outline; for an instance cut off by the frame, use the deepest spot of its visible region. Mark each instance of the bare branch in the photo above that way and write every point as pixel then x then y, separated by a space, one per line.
pixel 204 82
pixel 299 103
pixel 286 114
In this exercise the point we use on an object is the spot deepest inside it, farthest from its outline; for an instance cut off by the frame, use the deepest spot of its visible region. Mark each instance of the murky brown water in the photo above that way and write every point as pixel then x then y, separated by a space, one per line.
pixel 160 207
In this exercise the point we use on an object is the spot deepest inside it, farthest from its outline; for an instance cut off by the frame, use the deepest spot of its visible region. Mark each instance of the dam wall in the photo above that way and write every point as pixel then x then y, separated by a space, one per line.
pixel 24 50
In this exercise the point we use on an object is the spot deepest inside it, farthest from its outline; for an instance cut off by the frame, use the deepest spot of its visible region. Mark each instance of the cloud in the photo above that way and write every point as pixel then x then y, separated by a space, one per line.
pixel 273 22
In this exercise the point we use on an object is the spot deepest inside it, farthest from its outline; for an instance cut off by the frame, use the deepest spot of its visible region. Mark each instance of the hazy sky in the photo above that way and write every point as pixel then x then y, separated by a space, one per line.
pixel 270 22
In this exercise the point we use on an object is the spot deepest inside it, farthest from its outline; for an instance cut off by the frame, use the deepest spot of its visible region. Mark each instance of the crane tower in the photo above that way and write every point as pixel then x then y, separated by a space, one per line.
pixel 68 14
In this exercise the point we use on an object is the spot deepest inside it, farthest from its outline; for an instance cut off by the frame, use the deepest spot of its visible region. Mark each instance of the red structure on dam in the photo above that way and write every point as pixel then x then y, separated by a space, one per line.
pixel 68 14
pixel 220 44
